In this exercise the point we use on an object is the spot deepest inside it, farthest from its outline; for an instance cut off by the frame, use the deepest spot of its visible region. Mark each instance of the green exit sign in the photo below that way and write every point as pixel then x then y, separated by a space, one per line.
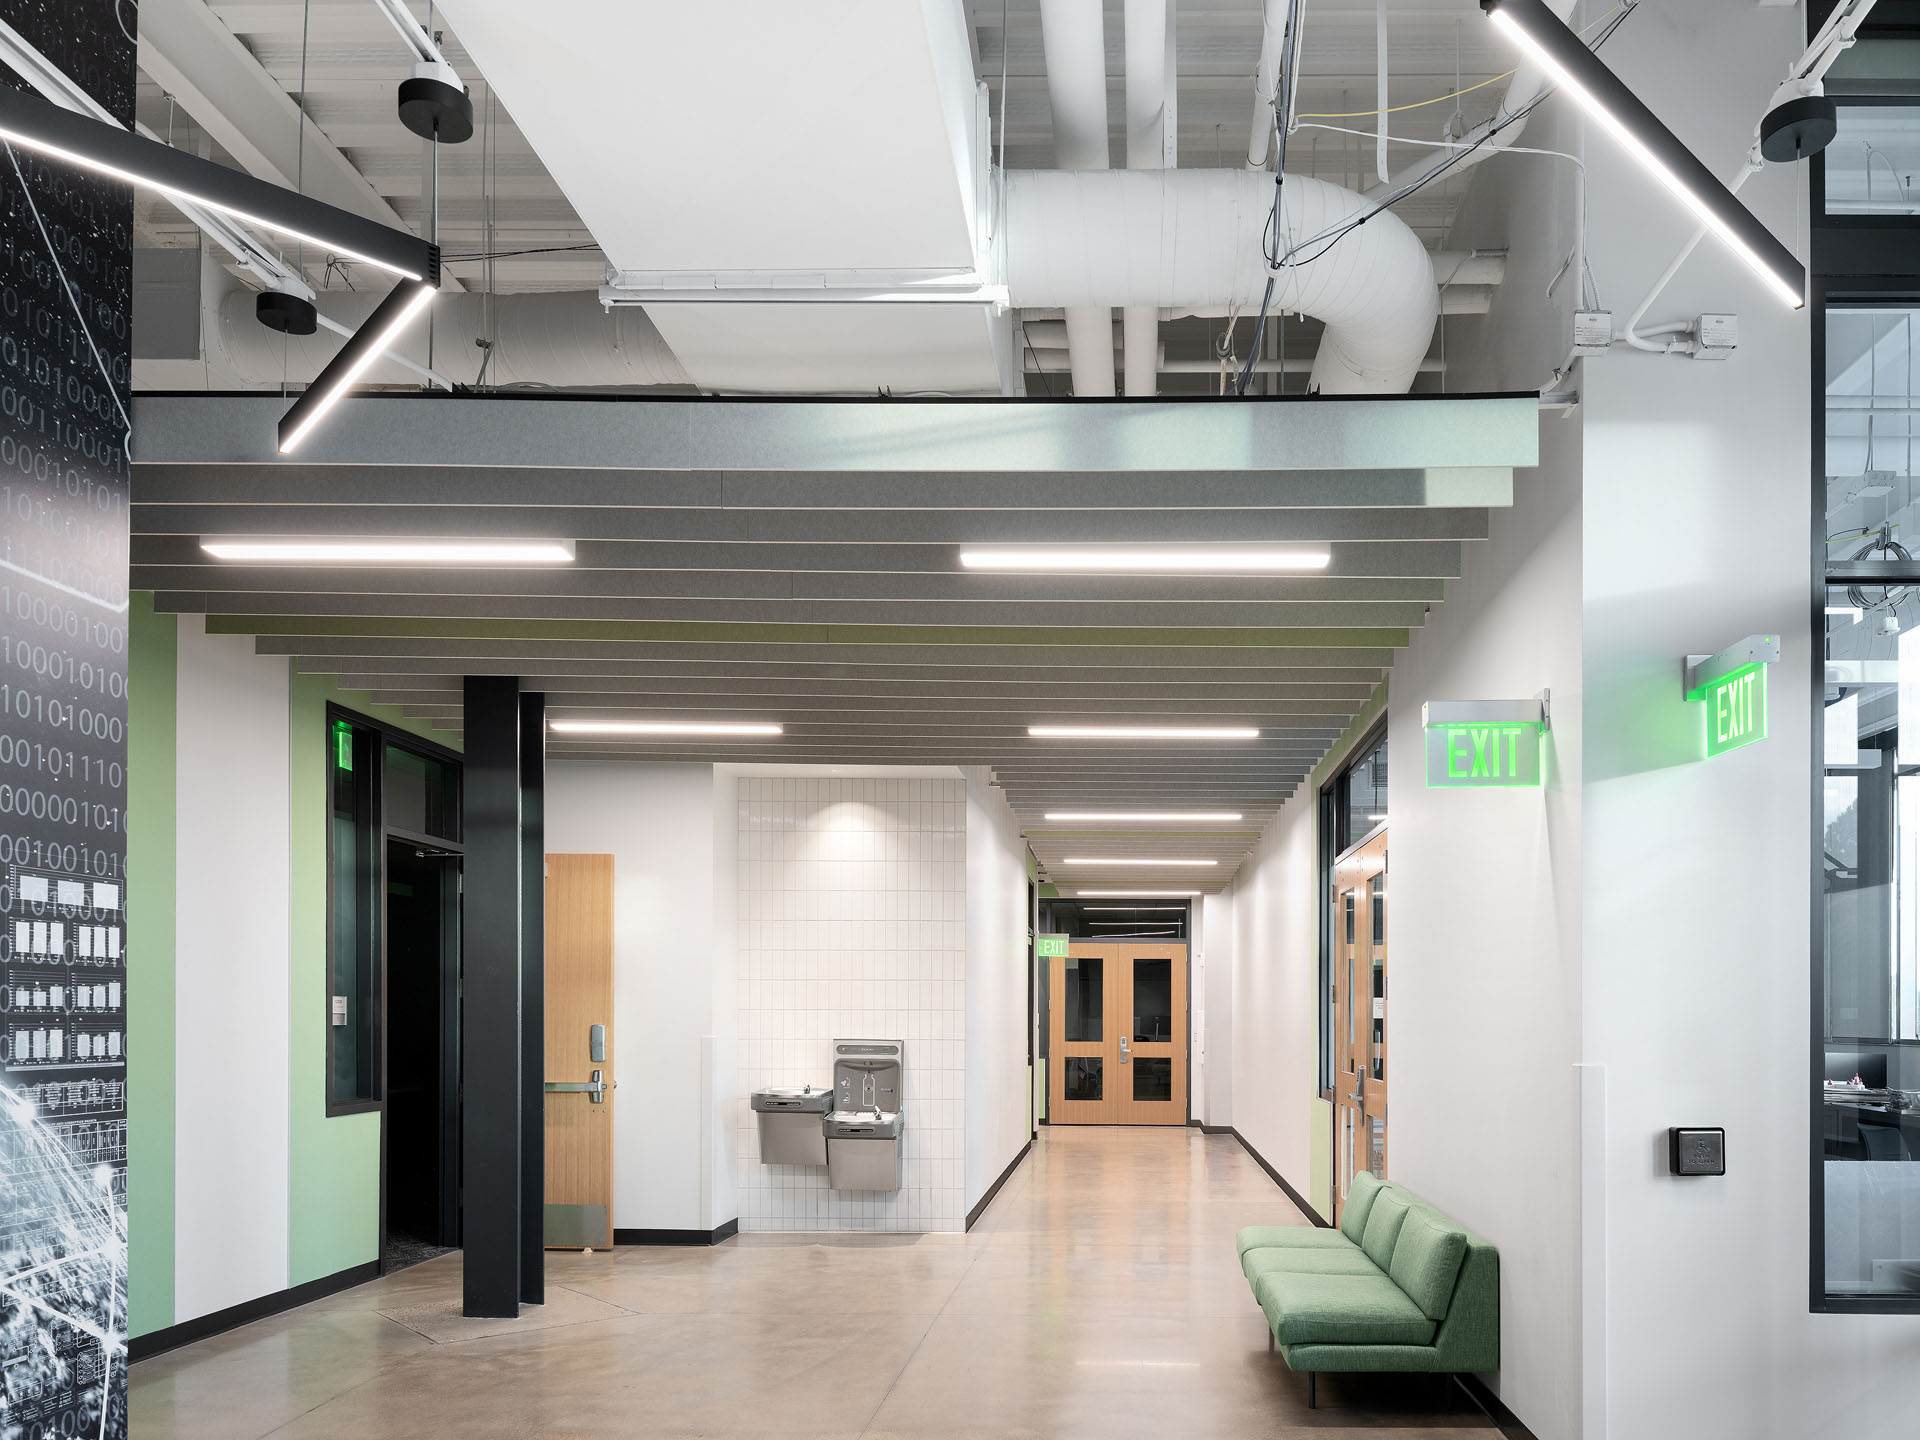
pixel 1483 756
pixel 1047 946
pixel 1736 709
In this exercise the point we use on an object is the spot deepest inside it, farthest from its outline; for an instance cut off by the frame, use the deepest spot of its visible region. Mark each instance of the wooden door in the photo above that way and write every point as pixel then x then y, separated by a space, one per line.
pixel 579 1210
pixel 1360 988
pixel 1117 1034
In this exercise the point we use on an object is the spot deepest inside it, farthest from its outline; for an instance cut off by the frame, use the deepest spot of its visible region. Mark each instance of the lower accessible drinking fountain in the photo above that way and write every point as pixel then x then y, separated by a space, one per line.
pixel 865 1128
pixel 790 1119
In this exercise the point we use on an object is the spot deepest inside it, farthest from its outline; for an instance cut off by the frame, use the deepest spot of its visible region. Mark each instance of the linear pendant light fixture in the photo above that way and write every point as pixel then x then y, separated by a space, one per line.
pixel 1147 559
pixel 1557 49
pixel 347 550
pixel 44 128
pixel 1137 894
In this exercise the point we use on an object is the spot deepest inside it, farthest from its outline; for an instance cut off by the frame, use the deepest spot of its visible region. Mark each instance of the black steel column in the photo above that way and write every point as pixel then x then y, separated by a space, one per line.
pixel 533 999
pixel 490 1013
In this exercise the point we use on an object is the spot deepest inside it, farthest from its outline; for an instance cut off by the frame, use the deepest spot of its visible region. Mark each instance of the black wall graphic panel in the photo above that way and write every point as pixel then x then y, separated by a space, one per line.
pixel 66 257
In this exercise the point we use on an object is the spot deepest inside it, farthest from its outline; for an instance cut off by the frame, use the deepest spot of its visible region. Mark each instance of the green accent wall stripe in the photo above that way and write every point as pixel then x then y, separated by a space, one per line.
pixel 152 692
pixel 719 633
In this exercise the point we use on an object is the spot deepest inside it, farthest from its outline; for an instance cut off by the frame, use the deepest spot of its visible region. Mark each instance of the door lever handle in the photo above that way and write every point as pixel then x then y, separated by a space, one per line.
pixel 595 1088
pixel 1126 1054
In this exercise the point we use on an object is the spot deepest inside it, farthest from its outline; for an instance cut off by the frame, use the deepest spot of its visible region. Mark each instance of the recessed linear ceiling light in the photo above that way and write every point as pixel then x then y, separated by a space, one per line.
pixel 1138 732
pixel 1149 559
pixel 1132 909
pixel 319 550
pixel 1143 816
pixel 1551 44
pixel 1137 894
pixel 659 727
pixel 1086 860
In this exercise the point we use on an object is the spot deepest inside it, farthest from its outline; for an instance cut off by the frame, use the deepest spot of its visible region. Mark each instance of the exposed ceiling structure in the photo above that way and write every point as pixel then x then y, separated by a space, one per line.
pixel 850 147
pixel 798 563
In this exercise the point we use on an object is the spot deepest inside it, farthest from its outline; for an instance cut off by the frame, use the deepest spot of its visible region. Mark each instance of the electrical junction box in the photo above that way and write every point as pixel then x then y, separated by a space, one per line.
pixel 1592 332
pixel 1716 337
pixel 1697 1150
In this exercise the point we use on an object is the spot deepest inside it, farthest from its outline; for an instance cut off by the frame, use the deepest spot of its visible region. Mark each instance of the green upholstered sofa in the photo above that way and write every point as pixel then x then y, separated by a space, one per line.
pixel 1398 1287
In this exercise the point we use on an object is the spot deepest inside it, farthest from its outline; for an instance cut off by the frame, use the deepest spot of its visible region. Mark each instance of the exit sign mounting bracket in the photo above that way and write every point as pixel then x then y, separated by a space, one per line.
pixel 1700 671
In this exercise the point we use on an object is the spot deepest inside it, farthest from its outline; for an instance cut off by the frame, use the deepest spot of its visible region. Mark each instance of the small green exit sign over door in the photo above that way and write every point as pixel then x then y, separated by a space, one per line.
pixel 1049 945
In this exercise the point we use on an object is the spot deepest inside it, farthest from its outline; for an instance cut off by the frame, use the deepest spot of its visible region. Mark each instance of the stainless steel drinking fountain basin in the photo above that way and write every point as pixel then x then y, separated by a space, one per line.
pixel 790 1119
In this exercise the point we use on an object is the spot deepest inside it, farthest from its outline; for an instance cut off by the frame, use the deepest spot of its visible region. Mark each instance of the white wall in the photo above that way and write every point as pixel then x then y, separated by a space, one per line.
pixel 851 923
pixel 1483 897
pixel 657 823
pixel 231 987
pixel 1215 934
pixel 996 986
pixel 1275 982
pixel 1697 903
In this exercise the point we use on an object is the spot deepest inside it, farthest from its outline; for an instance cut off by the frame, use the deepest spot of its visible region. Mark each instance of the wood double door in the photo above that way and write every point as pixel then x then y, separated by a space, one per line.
pixel 1359 1015
pixel 1117 1034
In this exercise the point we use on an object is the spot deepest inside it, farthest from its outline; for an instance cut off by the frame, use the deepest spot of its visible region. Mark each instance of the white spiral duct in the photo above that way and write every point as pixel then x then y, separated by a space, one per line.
pixel 1191 239
pixel 564 340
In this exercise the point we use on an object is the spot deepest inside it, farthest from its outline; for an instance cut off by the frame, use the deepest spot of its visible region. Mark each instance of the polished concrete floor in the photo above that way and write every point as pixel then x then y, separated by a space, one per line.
pixel 1099 1296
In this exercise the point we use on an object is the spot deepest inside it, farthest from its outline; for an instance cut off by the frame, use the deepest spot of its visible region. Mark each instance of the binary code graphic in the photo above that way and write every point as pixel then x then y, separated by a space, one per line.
pixel 65 361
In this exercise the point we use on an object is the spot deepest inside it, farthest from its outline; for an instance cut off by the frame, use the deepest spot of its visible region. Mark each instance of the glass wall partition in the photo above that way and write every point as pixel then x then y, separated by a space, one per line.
pixel 1864 1078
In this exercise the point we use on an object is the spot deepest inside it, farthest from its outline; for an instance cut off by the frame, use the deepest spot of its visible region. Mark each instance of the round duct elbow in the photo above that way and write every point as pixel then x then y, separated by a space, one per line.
pixel 563 341
pixel 1189 240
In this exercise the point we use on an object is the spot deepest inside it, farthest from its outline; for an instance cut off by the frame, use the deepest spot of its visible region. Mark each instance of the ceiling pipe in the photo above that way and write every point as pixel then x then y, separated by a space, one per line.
pixel 1190 239
pixel 1152 89
pixel 1266 81
pixel 1074 38
pixel 561 341
pixel 1529 83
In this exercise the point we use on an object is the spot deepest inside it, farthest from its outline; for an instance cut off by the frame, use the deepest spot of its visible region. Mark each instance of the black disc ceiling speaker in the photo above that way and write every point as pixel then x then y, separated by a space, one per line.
pixel 289 314
pixel 1799 128
pixel 435 110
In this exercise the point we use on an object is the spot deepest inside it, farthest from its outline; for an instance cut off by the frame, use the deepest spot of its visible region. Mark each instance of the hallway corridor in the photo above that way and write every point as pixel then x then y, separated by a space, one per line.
pixel 1099 1296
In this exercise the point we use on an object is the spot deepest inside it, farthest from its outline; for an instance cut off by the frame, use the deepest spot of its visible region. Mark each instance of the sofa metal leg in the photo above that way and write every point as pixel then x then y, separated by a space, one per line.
pixel 1313 1397
pixel 1269 1342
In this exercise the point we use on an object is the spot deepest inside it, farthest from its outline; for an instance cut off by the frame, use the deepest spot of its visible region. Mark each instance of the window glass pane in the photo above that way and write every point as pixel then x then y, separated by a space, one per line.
pixel 1870 1005
pixel 1153 1077
pixel 1876 65
pixel 422 794
pixel 1082 1004
pixel 1366 793
pixel 1874 161
pixel 353 1001
pixel 1153 999
pixel 1083 1078
pixel 1870 406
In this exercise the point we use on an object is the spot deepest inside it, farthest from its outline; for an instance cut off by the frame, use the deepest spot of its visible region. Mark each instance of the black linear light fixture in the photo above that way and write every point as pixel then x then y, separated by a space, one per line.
pixel 1550 43
pixel 93 145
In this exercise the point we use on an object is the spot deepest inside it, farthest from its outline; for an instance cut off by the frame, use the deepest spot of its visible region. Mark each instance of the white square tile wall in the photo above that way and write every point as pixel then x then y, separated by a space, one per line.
pixel 851 923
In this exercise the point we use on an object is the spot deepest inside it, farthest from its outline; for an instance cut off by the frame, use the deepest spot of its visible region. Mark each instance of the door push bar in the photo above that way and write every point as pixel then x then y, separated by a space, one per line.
pixel 595 1087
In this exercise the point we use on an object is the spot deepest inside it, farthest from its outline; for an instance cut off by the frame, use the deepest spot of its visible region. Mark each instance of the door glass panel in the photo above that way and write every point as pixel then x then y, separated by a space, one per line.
pixel 1378 903
pixel 1870 905
pixel 423 794
pixel 1082 1075
pixel 1377 1147
pixel 1153 1077
pixel 1153 1000
pixel 1082 1004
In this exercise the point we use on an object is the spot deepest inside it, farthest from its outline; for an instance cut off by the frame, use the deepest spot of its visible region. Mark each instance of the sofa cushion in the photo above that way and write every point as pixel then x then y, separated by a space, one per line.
pixel 1321 1260
pixel 1383 1225
pixel 1298 1237
pixel 1353 1215
pixel 1340 1310
pixel 1426 1260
